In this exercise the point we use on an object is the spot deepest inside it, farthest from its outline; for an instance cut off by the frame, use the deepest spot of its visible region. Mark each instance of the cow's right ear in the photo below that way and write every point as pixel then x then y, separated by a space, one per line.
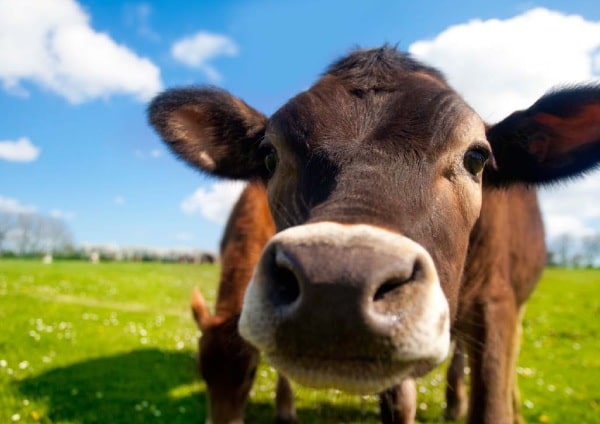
pixel 200 311
pixel 211 130
pixel 557 137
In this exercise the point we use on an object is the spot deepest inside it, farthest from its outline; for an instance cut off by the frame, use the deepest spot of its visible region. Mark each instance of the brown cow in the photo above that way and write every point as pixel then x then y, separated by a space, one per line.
pixel 400 215
pixel 227 362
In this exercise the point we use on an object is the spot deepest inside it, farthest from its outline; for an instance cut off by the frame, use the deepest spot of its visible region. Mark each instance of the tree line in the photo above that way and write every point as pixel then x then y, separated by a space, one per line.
pixel 33 234
pixel 567 250
pixel 30 233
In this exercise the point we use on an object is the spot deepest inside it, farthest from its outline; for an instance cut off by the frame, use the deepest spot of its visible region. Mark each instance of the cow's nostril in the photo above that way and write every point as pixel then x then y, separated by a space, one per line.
pixel 285 287
pixel 387 288
pixel 391 285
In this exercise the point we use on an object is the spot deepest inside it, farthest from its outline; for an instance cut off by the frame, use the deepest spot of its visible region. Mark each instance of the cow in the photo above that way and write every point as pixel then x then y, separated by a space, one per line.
pixel 401 218
pixel 227 362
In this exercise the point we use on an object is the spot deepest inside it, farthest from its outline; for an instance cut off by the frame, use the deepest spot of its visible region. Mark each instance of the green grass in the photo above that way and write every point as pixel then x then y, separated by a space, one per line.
pixel 115 343
pixel 559 366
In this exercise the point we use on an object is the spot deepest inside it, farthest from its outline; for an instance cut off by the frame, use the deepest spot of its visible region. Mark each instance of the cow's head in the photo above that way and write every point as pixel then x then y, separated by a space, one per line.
pixel 227 364
pixel 375 177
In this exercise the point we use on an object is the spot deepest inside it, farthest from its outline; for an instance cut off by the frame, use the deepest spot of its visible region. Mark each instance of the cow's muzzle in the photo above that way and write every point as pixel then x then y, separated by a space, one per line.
pixel 353 307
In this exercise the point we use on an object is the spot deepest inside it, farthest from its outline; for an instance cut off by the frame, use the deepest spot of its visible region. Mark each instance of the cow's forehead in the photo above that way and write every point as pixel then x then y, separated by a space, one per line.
pixel 418 111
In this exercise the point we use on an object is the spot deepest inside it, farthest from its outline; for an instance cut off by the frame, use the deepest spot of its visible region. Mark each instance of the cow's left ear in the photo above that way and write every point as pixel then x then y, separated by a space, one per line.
pixel 557 137
pixel 211 130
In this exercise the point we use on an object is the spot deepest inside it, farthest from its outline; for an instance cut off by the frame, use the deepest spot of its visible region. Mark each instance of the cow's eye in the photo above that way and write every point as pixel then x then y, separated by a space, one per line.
pixel 271 161
pixel 475 160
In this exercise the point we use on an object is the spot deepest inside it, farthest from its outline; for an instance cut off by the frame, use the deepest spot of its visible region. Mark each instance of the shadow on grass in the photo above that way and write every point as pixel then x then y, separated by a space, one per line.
pixel 148 385
pixel 320 413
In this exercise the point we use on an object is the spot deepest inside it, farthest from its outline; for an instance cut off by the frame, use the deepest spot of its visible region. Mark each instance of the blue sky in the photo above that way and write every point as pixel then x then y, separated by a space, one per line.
pixel 76 76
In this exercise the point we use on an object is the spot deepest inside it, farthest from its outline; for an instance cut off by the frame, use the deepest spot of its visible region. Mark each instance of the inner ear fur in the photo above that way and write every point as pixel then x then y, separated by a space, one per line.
pixel 211 130
pixel 557 137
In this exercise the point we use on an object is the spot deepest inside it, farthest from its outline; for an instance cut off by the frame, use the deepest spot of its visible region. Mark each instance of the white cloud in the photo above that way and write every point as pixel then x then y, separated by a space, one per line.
pixel 184 236
pixel 9 205
pixel 21 150
pixel 14 206
pixel 503 65
pixel 138 15
pixel 570 208
pixel 214 203
pixel 152 154
pixel 558 225
pixel 500 66
pixel 156 153
pixel 52 44
pixel 60 214
pixel 199 49
pixel 119 200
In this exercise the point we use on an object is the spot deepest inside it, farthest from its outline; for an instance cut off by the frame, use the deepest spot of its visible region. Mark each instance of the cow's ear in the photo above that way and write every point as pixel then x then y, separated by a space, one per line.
pixel 211 130
pixel 200 311
pixel 557 137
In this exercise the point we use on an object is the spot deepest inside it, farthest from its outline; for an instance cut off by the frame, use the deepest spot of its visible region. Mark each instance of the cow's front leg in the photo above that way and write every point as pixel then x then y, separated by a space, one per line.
pixel 492 342
pixel 285 411
pixel 516 394
pixel 398 404
pixel 456 388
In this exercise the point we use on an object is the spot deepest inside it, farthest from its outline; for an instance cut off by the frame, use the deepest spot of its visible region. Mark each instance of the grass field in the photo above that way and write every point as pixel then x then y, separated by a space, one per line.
pixel 115 343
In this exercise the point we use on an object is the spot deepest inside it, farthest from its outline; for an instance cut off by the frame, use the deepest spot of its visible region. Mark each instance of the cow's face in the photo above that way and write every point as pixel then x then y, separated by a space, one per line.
pixel 374 177
pixel 374 195
pixel 407 161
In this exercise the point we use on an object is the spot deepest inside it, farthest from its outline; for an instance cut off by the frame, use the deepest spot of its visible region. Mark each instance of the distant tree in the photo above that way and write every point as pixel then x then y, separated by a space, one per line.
pixel 591 248
pixel 7 223
pixel 27 233
pixel 55 235
pixel 551 258
pixel 32 233
pixel 577 260
pixel 564 244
